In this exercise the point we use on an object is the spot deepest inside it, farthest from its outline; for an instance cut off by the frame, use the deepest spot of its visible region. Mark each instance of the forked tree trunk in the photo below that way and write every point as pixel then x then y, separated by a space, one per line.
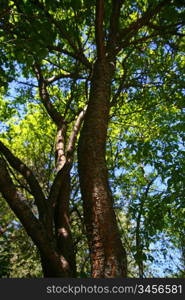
pixel 56 261
pixel 108 256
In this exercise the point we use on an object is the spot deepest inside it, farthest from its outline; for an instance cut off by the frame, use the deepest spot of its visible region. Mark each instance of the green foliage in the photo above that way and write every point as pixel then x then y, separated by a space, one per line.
pixel 145 146
pixel 18 255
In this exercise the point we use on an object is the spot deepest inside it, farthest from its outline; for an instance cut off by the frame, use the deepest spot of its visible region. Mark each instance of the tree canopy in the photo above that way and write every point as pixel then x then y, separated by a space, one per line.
pixel 92 146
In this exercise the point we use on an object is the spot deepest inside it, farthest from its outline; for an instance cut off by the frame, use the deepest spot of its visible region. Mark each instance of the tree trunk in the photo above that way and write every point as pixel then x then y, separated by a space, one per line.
pixel 62 225
pixel 61 209
pixel 108 256
pixel 54 263
pixel 55 266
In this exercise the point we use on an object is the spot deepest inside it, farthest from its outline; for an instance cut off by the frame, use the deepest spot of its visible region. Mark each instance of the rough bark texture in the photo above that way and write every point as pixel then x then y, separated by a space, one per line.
pixel 107 253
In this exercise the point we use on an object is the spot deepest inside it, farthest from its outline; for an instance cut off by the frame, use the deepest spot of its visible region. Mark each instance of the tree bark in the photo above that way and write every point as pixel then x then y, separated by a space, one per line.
pixel 62 224
pixel 108 256
pixel 55 265
pixel 60 191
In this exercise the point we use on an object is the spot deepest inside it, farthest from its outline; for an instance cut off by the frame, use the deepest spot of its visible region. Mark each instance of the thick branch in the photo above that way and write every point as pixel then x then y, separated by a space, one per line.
pixel 114 25
pixel 18 165
pixel 60 157
pixel 33 227
pixel 99 28
pixel 73 75
pixel 164 27
pixel 74 134
pixel 56 186
pixel 60 177
pixel 53 113
pixel 17 202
